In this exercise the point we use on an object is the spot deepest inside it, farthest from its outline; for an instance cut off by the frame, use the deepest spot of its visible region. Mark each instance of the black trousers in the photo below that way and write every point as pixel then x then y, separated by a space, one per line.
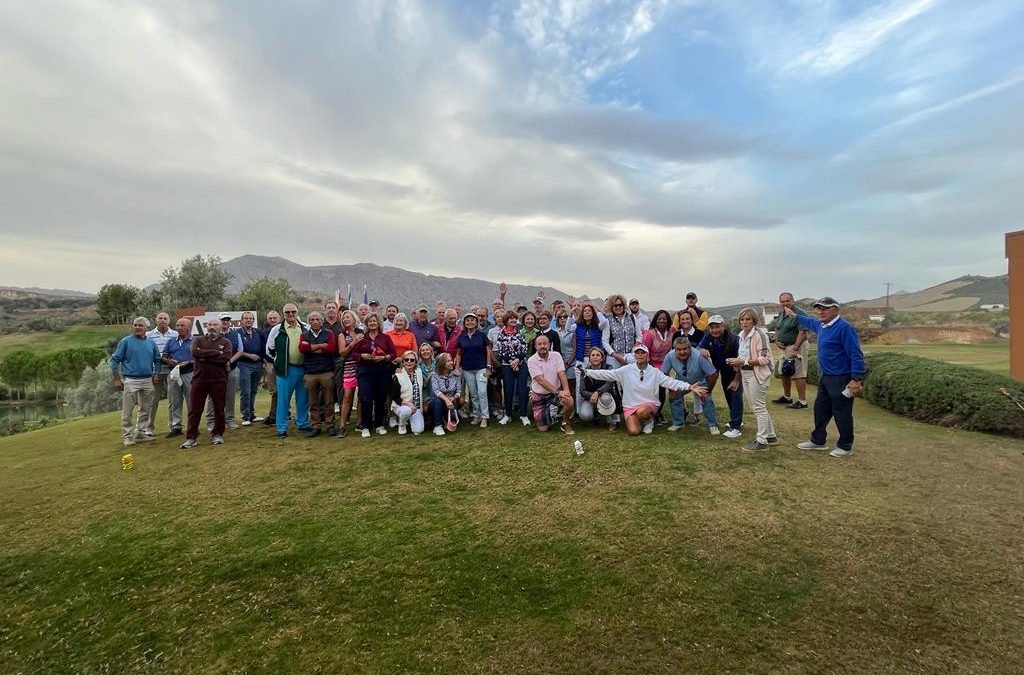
pixel 830 403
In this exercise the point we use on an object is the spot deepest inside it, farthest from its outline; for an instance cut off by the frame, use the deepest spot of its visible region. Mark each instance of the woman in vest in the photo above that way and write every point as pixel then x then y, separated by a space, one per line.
pixel 619 335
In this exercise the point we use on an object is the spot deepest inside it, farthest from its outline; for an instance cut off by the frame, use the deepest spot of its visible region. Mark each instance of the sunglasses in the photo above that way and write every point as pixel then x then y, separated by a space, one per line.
pixel 290 312
pixel 409 360
pixel 618 304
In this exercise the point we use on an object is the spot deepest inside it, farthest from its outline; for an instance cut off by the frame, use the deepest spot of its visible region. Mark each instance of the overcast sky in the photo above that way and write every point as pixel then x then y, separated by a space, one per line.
pixel 735 148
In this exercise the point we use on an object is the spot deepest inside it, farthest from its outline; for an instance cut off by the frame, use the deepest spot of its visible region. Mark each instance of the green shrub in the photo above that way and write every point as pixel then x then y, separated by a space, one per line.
pixel 940 393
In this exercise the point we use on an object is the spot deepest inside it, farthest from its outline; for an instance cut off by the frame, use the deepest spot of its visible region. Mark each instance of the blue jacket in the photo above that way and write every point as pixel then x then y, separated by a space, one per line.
pixel 839 350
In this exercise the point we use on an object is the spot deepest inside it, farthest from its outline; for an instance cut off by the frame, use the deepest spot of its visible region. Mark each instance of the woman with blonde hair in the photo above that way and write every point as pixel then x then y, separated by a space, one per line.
pixel 755 365
pixel 349 335
pixel 619 334
pixel 407 394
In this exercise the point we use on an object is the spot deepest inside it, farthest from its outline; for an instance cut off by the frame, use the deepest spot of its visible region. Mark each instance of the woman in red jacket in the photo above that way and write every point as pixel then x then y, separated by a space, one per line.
pixel 374 355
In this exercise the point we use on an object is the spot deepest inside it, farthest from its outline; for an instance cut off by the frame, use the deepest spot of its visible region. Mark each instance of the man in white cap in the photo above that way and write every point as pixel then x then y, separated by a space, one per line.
pixel 639 382
pixel 841 363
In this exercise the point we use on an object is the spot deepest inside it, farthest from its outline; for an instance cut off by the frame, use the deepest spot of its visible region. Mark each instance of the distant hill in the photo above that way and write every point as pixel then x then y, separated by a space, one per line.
pixel 956 295
pixel 387 284
pixel 17 292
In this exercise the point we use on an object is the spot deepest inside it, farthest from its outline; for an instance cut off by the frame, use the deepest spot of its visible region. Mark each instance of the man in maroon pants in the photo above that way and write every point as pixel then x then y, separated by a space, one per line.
pixel 210 354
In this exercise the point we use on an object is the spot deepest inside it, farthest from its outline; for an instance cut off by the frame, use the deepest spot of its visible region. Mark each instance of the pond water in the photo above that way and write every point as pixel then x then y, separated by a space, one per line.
pixel 32 411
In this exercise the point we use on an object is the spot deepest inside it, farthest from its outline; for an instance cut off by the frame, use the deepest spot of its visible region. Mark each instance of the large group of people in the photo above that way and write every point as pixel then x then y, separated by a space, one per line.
pixel 549 365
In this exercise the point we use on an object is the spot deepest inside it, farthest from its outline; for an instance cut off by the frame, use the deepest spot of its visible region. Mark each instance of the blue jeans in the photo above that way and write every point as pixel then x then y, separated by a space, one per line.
pixel 249 375
pixel 475 382
pixel 515 383
pixel 679 410
pixel 286 386
pixel 734 399
pixel 438 411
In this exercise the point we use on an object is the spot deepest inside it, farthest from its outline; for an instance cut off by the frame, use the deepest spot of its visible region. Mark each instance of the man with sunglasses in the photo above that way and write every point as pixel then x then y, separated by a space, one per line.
pixel 283 348
pixel 639 382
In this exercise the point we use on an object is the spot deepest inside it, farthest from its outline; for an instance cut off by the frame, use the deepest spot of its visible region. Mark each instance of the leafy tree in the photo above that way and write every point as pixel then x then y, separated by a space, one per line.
pixel 150 303
pixel 199 282
pixel 95 391
pixel 115 303
pixel 64 368
pixel 20 369
pixel 264 294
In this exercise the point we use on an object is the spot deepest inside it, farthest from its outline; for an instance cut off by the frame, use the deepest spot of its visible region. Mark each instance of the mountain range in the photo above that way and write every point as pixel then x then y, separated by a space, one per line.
pixel 955 295
pixel 387 284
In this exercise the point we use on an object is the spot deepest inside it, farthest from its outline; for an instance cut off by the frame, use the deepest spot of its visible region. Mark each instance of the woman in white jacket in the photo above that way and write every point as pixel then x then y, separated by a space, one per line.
pixel 639 382
pixel 407 394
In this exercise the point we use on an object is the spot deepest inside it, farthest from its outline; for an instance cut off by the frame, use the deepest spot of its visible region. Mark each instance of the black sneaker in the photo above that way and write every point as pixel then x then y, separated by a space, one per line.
pixel 797 405
pixel 342 432
pixel 331 431
pixel 269 421
pixel 311 433
pixel 754 446
pixel 783 400
pixel 173 433
pixel 772 440
pixel 282 434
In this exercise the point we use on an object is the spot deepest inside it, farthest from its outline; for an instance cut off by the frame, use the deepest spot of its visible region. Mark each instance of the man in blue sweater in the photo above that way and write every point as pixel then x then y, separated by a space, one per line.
pixel 841 362
pixel 135 365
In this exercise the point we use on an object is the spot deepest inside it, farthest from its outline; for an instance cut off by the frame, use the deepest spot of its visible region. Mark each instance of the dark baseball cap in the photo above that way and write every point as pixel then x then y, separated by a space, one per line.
pixel 827 301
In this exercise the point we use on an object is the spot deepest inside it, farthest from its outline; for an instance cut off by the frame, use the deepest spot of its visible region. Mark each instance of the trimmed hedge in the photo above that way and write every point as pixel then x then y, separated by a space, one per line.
pixel 940 393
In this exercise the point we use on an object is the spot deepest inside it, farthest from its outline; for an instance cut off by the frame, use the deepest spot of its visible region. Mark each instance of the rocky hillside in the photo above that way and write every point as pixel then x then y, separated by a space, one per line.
pixel 387 284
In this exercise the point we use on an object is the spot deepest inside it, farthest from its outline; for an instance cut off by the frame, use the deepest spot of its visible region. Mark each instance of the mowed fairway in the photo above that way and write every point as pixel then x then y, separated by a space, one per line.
pixel 501 551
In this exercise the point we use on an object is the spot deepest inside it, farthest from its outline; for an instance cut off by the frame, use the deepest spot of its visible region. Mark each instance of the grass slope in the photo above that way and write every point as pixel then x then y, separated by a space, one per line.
pixel 79 335
pixel 501 551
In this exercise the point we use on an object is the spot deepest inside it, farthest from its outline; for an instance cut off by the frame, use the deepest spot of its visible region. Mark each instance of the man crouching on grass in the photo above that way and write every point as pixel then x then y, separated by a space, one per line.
pixel 639 384
pixel 548 386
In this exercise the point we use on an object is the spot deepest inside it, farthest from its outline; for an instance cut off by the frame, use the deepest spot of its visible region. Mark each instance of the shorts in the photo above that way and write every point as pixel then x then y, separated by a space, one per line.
pixel 632 410
pixel 350 382
pixel 801 363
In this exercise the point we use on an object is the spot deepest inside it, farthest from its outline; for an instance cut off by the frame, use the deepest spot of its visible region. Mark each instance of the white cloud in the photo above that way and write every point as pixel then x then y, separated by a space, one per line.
pixel 858 38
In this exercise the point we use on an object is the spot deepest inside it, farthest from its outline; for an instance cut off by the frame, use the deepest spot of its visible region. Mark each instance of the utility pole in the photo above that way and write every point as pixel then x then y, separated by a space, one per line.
pixel 888 288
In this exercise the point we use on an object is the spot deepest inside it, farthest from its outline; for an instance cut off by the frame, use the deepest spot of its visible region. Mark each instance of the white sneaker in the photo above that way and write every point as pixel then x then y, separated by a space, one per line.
pixel 392 421
pixel 365 433
pixel 401 430
pixel 732 433
pixel 839 452
pixel 525 420
pixel 811 445
pixel 246 423
pixel 258 419
pixel 128 442
pixel 649 426
pixel 337 408
pixel 483 423
pixel 439 431
pixel 505 419
pixel 714 431
pixel 675 427
pixel 382 431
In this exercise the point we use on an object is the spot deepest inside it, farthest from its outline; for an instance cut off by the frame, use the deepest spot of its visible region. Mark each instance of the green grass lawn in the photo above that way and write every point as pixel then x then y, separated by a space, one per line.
pixel 80 335
pixel 994 356
pixel 500 550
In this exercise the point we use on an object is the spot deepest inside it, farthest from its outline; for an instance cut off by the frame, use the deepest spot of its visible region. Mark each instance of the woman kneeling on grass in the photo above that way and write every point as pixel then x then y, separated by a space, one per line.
pixel 447 388
pixel 755 365
pixel 639 384
pixel 407 395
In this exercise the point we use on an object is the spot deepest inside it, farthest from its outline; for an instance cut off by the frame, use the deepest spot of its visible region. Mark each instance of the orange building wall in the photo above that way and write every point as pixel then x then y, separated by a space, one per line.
pixel 1015 255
